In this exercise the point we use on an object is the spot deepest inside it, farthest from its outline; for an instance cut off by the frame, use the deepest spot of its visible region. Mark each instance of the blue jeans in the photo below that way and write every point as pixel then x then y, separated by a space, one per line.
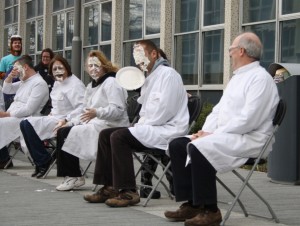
pixel 34 144
pixel 4 155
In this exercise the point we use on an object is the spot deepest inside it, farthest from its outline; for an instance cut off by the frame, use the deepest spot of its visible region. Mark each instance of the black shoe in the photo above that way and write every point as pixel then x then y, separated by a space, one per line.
pixel 36 171
pixel 44 168
pixel 144 193
pixel 3 164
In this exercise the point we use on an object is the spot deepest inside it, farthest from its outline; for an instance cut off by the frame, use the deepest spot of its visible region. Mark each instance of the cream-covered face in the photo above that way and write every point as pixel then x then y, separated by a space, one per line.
pixel 94 67
pixel 59 71
pixel 20 69
pixel 140 57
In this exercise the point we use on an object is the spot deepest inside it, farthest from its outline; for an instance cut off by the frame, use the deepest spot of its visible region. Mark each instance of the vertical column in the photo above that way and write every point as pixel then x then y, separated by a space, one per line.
pixel 166 27
pixel 22 21
pixel 232 28
pixel 116 33
pixel 47 25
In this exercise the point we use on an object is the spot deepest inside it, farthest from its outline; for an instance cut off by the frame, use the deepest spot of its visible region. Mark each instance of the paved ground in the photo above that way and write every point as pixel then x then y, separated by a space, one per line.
pixel 28 201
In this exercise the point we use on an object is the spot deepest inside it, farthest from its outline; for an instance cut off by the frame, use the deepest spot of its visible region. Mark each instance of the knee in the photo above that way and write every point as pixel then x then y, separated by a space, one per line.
pixel 178 144
pixel 24 124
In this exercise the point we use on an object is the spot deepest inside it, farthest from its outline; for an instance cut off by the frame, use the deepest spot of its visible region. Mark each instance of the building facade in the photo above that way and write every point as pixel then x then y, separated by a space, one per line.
pixel 195 34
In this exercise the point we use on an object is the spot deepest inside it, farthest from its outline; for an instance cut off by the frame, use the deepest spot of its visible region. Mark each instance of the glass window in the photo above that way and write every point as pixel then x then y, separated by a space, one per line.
pixel 213 52
pixel 30 10
pixel 70 28
pixel 58 31
pixel 106 49
pixel 91 15
pixel 106 18
pixel 30 37
pixel 152 17
pixel 258 10
pixel 133 19
pixel 9 3
pixel 187 15
pixel 70 3
pixel 290 46
pixel 58 5
pixel 290 6
pixel 266 33
pixel 40 31
pixel 213 12
pixel 40 7
pixel 186 62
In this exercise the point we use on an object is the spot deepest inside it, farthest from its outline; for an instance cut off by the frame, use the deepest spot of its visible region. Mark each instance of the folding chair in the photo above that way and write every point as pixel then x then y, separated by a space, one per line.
pixel 194 106
pixel 279 116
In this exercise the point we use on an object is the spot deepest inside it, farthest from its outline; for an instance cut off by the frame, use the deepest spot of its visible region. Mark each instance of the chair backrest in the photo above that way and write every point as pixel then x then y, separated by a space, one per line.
pixel 133 108
pixel 280 113
pixel 195 107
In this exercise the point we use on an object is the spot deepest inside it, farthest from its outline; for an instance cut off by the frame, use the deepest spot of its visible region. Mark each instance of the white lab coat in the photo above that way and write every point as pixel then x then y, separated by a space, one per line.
pixel 31 96
pixel 164 114
pixel 2 105
pixel 67 100
pixel 242 121
pixel 110 101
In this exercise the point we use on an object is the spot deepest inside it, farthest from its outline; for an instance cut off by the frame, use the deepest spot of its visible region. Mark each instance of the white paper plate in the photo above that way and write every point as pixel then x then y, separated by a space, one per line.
pixel 130 78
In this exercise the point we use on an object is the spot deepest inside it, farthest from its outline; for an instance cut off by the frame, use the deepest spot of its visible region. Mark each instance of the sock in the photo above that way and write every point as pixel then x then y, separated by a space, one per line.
pixel 211 207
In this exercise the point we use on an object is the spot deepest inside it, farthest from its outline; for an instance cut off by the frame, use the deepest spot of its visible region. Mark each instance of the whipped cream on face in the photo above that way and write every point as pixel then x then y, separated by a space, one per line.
pixel 140 57
pixel 94 67
pixel 20 69
pixel 58 71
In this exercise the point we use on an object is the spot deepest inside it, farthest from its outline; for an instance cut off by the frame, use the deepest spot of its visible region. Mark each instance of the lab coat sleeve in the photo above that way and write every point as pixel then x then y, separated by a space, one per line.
pixel 39 93
pixel 116 97
pixel 163 105
pixel 76 98
pixel 256 110
pixel 11 88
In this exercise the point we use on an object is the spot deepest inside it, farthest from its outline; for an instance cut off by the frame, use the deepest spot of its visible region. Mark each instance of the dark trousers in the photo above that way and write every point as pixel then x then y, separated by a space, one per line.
pixel 34 144
pixel 4 155
pixel 195 182
pixel 67 164
pixel 114 164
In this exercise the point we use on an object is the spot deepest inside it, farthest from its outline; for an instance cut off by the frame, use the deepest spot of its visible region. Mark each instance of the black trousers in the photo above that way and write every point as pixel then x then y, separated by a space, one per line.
pixel 114 164
pixel 67 164
pixel 195 182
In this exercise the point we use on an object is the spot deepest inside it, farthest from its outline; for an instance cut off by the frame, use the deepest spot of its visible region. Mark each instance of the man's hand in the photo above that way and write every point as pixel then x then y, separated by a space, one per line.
pixel 199 134
pixel 59 125
pixel 13 74
pixel 89 114
pixel 4 114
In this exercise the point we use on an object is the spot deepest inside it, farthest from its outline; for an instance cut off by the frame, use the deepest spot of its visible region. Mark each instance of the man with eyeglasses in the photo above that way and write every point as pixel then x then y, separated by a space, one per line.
pixel 235 131
pixel 31 96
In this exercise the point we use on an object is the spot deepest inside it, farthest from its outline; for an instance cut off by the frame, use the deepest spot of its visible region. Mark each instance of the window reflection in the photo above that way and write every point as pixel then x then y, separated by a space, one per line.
pixel 213 12
pixel 187 15
pixel 186 62
pixel 106 15
pixel 290 6
pixel 133 21
pixel 92 20
pixel 290 46
pixel 152 19
pixel 40 35
pixel 30 39
pixel 58 31
pixel 70 28
pixel 213 52
pixel 258 10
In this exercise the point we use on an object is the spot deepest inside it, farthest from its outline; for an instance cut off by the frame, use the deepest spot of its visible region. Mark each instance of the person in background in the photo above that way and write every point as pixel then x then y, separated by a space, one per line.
pixel 67 100
pixel 233 132
pixel 105 107
pixel 43 69
pixel 2 105
pixel 7 62
pixel 163 116
pixel 31 96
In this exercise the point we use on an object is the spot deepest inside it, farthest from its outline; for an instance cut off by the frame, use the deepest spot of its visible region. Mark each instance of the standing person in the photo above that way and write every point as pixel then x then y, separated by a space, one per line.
pixel 105 107
pixel 67 100
pixel 31 96
pixel 7 62
pixel 235 131
pixel 163 116
pixel 43 69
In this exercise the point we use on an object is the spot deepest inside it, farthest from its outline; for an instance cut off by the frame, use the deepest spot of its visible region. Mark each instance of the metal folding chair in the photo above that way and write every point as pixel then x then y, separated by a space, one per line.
pixel 279 116
pixel 194 107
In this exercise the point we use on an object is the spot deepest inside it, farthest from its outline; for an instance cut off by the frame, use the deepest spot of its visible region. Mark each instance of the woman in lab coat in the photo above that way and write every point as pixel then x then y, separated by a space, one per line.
pixel 105 107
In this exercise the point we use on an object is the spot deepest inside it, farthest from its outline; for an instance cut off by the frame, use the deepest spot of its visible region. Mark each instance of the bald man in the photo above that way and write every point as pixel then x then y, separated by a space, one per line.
pixel 235 131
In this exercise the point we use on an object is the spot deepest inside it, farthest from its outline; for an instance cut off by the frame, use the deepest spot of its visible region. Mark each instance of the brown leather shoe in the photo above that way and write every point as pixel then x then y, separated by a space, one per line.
pixel 124 199
pixel 102 195
pixel 185 211
pixel 206 218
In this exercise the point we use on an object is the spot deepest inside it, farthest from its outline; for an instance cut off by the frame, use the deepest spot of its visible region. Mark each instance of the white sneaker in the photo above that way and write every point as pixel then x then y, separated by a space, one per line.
pixel 70 183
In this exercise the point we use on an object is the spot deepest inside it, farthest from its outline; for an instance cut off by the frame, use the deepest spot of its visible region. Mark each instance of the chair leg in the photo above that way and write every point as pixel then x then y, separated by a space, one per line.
pixel 53 163
pixel 11 158
pixel 86 169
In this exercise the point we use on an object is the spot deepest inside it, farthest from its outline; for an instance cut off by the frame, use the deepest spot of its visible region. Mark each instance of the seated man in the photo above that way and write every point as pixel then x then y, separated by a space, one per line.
pixel 235 131
pixel 164 115
pixel 31 96
pixel 67 98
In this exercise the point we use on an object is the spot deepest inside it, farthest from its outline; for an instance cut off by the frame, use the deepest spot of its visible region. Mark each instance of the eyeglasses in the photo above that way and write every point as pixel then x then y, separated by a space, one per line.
pixel 232 48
